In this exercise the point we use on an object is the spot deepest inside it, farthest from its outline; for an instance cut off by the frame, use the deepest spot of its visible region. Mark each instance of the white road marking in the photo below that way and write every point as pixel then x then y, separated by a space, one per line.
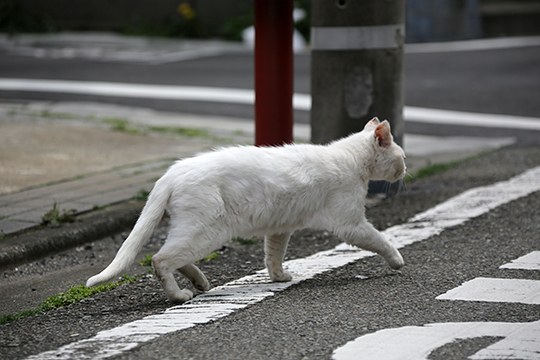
pixel 496 290
pixel 194 93
pixel 521 341
pixel 246 97
pixel 224 300
pixel 501 290
pixel 449 117
pixel 473 45
pixel 531 261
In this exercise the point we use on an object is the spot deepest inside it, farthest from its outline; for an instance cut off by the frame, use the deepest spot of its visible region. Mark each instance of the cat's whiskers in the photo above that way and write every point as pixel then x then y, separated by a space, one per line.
pixel 402 186
pixel 408 175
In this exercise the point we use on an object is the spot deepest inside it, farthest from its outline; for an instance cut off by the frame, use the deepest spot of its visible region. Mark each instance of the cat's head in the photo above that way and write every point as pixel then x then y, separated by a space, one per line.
pixel 389 157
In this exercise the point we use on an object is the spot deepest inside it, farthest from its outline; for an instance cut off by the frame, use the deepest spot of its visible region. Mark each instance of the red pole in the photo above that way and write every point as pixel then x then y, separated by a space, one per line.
pixel 273 72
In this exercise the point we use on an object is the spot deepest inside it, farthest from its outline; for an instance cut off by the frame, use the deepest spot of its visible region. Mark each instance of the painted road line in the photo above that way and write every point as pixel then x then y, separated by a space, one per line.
pixel 194 93
pixel 473 45
pixel 531 261
pixel 224 300
pixel 461 118
pixel 246 97
pixel 501 290
pixel 496 290
pixel 521 341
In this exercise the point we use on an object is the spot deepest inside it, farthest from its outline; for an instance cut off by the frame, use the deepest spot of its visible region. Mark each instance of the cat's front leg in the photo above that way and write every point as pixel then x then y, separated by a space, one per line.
pixel 275 246
pixel 365 236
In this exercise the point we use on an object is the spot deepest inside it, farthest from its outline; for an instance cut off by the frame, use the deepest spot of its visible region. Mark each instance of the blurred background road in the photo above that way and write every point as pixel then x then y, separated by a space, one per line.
pixel 500 77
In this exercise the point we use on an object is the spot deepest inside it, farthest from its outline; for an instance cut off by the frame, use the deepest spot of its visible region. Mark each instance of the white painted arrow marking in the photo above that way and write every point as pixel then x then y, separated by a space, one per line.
pixel 224 300
pixel 521 341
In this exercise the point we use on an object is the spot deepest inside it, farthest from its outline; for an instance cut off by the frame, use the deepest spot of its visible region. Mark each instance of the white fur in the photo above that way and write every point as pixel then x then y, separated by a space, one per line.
pixel 270 191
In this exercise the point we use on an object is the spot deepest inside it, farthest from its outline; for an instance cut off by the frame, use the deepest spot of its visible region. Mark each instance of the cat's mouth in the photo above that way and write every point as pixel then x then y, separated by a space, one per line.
pixel 400 174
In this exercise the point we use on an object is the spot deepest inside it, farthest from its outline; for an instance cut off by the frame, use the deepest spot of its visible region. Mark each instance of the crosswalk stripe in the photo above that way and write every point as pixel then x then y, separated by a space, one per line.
pixel 520 340
pixel 224 300
pixel 496 290
pixel 530 261
pixel 501 290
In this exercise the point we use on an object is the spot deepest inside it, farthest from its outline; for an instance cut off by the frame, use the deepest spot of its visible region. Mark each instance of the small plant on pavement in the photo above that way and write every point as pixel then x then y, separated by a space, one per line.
pixel 246 241
pixel 56 217
pixel 213 256
pixel 74 295
pixel 142 195
pixel 146 261
pixel 121 125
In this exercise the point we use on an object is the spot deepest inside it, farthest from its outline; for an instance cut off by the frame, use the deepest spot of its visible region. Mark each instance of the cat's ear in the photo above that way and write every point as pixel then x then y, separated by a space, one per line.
pixel 383 135
pixel 371 124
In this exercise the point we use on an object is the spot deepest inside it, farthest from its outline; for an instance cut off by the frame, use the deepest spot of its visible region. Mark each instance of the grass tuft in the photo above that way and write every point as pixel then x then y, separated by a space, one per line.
pixel 146 261
pixel 142 195
pixel 121 125
pixel 56 217
pixel 74 295
pixel 244 241
pixel 213 256
pixel 187 132
pixel 431 170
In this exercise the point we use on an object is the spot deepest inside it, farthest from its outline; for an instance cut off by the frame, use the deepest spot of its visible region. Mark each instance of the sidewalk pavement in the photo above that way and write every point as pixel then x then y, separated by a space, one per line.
pixel 83 157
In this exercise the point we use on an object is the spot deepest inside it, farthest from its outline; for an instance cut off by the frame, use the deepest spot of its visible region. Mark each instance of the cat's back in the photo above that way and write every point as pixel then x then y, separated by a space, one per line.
pixel 247 161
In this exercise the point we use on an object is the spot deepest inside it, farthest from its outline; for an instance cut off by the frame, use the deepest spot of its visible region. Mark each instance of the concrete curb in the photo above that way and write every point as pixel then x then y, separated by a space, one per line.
pixel 40 241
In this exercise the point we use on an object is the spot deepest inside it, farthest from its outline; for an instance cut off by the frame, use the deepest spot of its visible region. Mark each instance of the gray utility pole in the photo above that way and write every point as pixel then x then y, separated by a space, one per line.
pixel 356 66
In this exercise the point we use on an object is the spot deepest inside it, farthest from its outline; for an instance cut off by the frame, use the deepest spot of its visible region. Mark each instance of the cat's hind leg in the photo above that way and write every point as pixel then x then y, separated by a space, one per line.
pixel 164 267
pixel 181 249
pixel 275 246
pixel 365 236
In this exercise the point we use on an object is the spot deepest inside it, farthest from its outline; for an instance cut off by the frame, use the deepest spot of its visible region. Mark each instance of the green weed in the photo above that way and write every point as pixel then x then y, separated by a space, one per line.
pixel 74 295
pixel 141 195
pixel 431 170
pixel 187 132
pixel 213 256
pixel 55 115
pixel 121 125
pixel 56 216
pixel 146 261
pixel 244 241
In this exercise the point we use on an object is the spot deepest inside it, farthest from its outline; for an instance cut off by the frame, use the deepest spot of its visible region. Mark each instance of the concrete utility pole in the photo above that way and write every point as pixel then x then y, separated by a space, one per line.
pixel 356 66
pixel 273 72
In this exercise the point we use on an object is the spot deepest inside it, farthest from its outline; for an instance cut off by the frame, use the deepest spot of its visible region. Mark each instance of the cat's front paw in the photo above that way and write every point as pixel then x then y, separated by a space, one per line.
pixel 281 276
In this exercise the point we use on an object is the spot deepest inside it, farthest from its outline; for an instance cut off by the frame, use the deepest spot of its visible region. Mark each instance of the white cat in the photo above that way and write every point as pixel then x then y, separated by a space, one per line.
pixel 272 191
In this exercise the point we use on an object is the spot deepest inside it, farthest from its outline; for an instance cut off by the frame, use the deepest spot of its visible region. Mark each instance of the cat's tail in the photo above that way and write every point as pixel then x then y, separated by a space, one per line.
pixel 148 220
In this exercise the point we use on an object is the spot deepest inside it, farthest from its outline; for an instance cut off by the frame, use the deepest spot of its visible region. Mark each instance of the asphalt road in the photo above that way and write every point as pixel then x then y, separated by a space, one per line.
pixel 313 318
pixel 496 81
